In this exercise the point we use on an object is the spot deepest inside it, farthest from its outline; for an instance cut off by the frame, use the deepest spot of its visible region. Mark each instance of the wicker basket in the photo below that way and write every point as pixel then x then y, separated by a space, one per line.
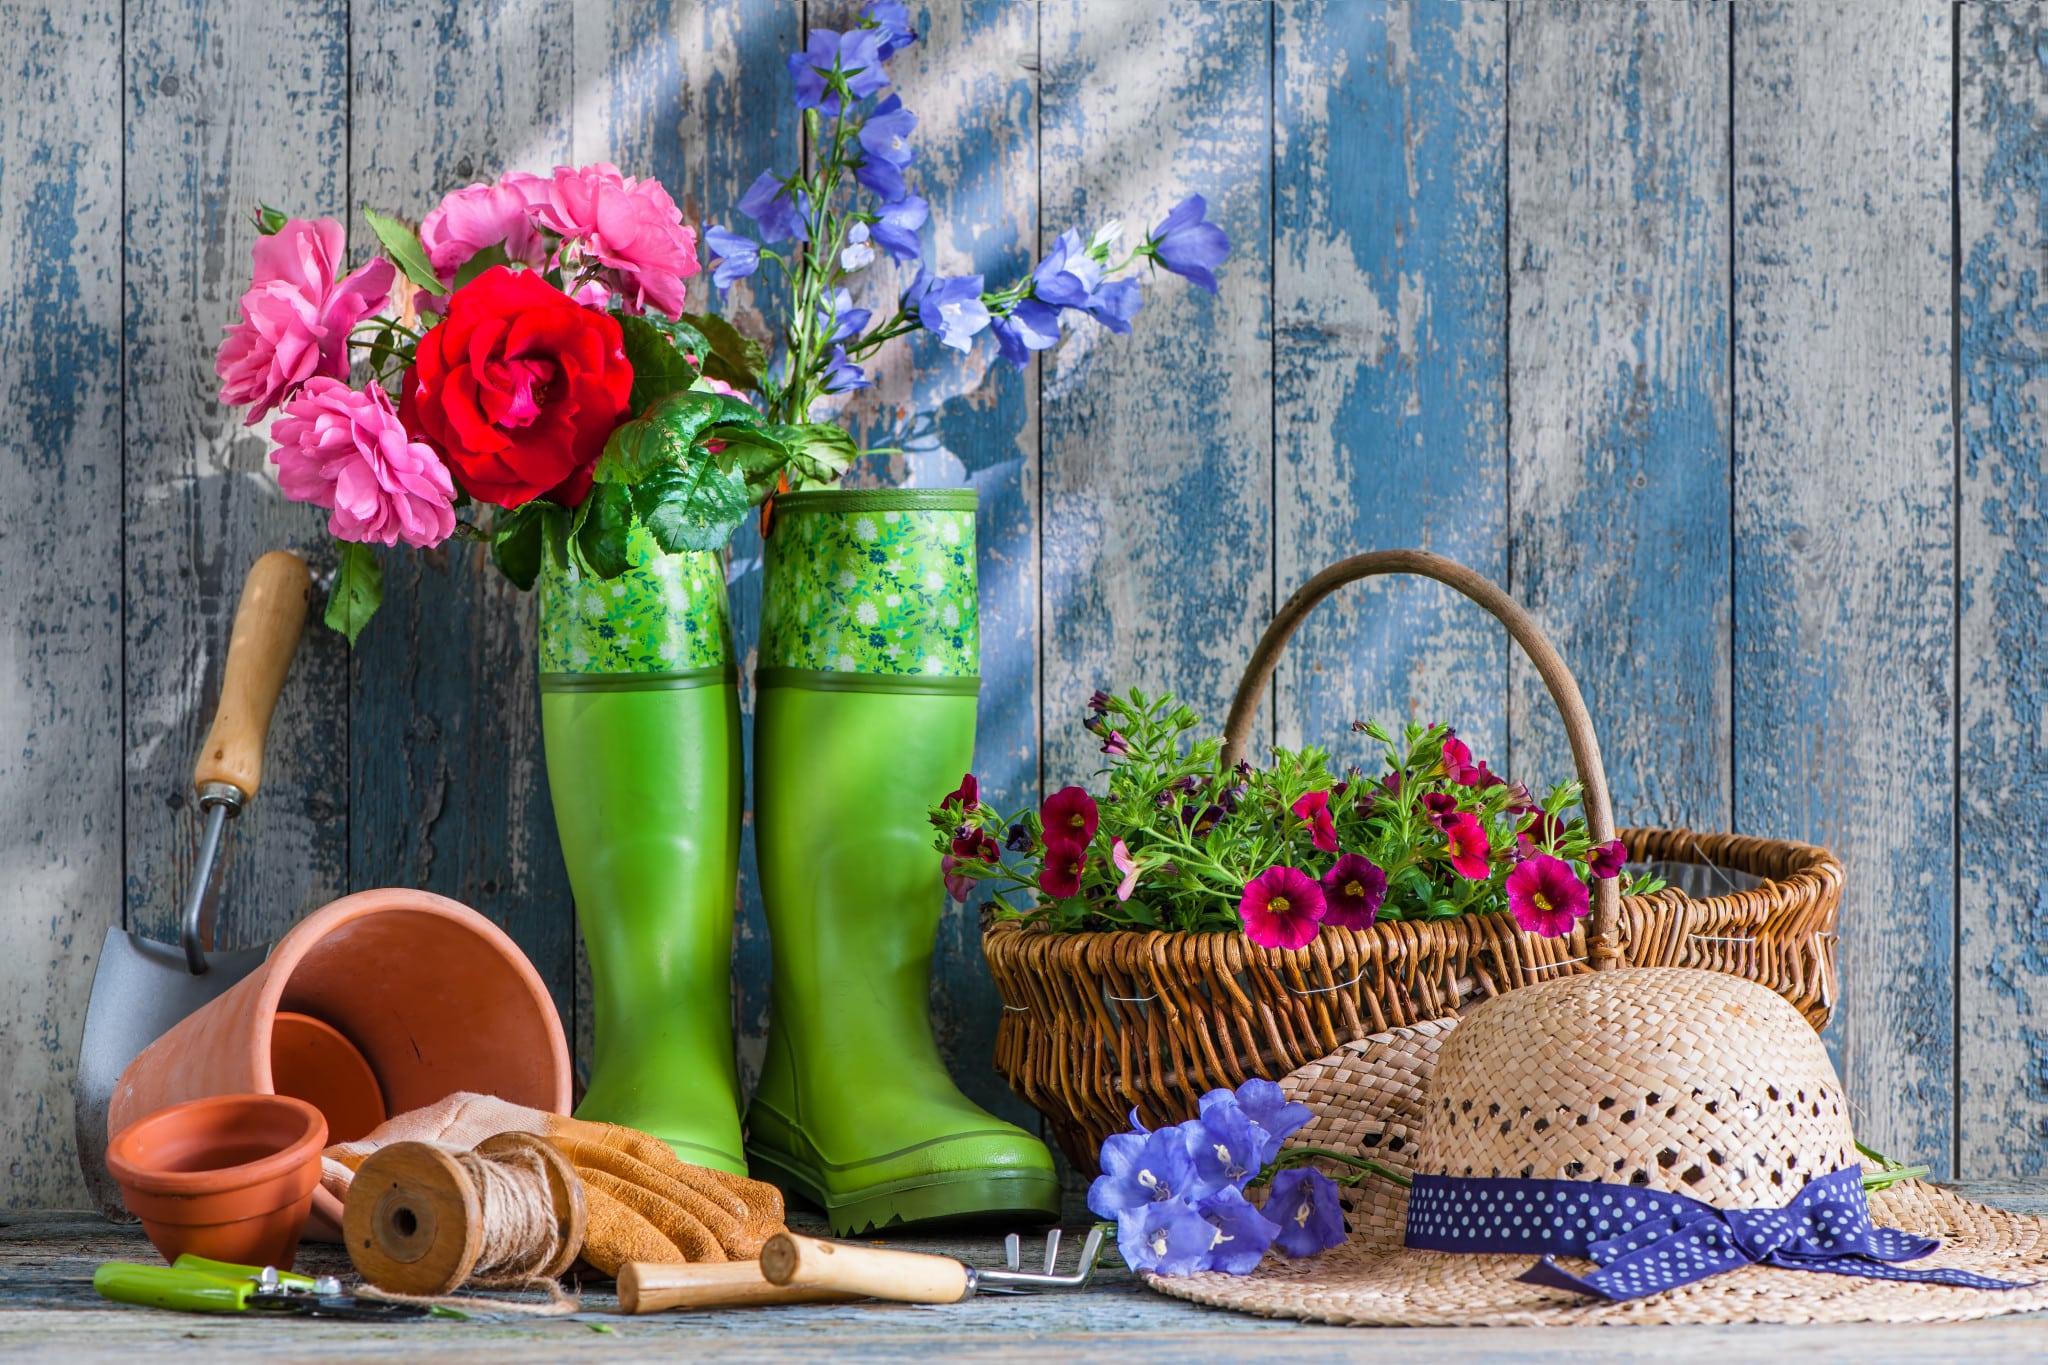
pixel 1097 1024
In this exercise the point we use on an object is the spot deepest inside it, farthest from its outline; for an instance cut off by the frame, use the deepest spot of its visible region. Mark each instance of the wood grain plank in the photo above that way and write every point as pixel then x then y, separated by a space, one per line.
pixel 1389 303
pixel 1618 367
pixel 448 788
pixel 1157 507
pixel 202 497
pixel 696 95
pixel 2003 763
pixel 1844 662
pixel 60 578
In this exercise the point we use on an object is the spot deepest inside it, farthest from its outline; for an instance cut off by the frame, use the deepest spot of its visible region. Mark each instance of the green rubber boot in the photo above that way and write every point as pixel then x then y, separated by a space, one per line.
pixel 641 720
pixel 864 719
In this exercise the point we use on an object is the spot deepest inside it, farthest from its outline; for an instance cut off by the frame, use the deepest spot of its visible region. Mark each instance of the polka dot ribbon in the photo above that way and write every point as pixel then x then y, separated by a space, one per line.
pixel 1646 1241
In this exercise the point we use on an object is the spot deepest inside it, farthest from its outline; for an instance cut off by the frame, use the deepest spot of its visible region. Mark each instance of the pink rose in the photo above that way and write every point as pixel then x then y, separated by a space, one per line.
pixel 295 317
pixel 476 217
pixel 346 450
pixel 629 226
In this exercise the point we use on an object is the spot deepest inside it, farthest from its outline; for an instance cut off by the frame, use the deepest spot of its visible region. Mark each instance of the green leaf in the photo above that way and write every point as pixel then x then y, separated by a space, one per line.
pixel 735 359
pixel 605 521
pixel 357 592
pixel 659 366
pixel 755 452
pixel 478 264
pixel 692 509
pixel 668 433
pixel 819 451
pixel 270 221
pixel 518 544
pixel 402 245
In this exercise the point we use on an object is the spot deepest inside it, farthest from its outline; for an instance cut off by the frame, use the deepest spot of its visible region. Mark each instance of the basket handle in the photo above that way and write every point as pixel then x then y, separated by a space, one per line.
pixel 1604 942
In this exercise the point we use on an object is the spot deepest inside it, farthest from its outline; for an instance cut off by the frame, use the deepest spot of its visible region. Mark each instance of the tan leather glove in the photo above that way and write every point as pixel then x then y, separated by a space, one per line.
pixel 644 1204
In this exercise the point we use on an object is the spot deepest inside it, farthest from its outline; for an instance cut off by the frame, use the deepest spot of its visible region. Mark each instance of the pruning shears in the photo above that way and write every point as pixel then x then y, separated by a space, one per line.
pixel 193 1284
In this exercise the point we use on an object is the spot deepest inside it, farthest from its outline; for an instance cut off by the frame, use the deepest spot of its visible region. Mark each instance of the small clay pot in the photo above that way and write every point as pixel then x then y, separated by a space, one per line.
pixel 229 1177
pixel 312 1060
pixel 430 994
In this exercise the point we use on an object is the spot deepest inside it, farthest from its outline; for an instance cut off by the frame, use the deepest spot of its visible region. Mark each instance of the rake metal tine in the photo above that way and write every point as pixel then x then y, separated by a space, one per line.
pixel 1052 1252
pixel 1090 1249
pixel 1012 1252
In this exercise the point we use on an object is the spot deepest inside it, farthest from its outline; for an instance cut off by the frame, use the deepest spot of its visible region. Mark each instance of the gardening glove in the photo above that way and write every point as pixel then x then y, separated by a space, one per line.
pixel 643 1204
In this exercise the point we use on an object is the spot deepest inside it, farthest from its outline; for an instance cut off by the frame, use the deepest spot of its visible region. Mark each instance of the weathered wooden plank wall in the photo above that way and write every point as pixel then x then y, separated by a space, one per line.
pixel 1714 330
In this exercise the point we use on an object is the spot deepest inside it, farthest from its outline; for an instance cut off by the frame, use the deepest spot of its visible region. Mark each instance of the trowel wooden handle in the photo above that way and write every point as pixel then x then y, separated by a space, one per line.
pixel 651 1286
pixel 267 626
pixel 903 1276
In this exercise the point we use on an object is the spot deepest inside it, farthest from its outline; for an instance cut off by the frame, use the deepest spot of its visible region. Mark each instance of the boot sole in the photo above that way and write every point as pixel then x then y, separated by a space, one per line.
pixel 1009 1197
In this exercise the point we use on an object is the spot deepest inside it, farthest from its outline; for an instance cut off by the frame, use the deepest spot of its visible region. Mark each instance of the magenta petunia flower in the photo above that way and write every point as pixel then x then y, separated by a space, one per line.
pixel 1442 808
pixel 296 316
pixel 1470 851
pixel 969 842
pixel 1546 897
pixel 1068 816
pixel 1059 876
pixel 1605 860
pixel 1116 746
pixel 1353 890
pixel 628 225
pixel 968 794
pixel 478 217
pixel 1127 865
pixel 958 885
pixel 1314 807
pixel 1281 908
pixel 346 450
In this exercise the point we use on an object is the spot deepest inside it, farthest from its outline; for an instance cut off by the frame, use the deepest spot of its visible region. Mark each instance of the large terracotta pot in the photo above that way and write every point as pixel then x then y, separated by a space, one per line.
pixel 433 996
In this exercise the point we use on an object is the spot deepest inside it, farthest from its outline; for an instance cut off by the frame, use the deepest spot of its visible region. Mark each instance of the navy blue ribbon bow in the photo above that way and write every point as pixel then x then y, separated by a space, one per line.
pixel 1646 1241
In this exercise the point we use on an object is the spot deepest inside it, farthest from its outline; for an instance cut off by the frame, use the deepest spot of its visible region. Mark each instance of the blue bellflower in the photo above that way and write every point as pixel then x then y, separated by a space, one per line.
pixel 885 136
pixel 881 179
pixel 1167 1238
pixel 1031 326
pixel 950 307
pixel 1115 304
pixel 1267 1105
pixel 1187 245
pixel 1304 1204
pixel 859 252
pixel 891 21
pixel 1229 1148
pixel 734 257
pixel 1141 1169
pixel 1068 277
pixel 839 313
pixel 896 227
pixel 769 203
pixel 841 375
pixel 1242 1232
pixel 855 57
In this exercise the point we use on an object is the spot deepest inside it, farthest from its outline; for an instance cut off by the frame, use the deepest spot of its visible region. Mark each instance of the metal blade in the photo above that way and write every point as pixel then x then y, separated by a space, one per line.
pixel 140 990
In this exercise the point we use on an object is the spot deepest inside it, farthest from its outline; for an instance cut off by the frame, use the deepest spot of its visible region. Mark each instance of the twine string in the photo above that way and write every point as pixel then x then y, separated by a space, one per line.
pixel 518 1234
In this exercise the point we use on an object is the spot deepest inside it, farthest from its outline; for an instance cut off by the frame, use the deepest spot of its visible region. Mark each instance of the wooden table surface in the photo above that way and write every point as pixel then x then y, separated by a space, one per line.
pixel 48 1312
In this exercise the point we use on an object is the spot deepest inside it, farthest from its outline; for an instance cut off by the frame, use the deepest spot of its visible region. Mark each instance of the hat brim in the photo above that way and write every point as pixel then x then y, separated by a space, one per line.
pixel 1372 1281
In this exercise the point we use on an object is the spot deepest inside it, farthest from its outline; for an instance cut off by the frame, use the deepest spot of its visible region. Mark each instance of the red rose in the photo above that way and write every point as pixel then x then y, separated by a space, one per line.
pixel 518 388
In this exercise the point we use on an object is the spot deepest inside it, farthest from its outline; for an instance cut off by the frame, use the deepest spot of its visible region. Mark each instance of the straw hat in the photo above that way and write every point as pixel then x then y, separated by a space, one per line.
pixel 1660 1118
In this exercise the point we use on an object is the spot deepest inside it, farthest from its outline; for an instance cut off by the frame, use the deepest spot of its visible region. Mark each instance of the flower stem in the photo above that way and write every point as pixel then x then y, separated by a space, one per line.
pixel 1302 1156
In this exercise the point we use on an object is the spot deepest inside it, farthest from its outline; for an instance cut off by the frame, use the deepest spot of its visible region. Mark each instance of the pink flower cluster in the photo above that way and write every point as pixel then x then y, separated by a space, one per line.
pixel 626 231
pixel 345 450
pixel 296 316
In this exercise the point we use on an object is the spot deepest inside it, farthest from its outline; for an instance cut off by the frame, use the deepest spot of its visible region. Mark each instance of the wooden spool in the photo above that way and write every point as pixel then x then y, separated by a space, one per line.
pixel 414 1219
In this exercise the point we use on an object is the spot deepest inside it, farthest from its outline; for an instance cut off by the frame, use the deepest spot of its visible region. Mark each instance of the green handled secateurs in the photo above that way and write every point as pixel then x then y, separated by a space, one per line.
pixel 193 1284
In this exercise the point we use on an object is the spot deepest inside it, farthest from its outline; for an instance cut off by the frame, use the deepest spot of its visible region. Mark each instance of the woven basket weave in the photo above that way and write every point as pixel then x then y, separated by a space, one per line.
pixel 1097 1024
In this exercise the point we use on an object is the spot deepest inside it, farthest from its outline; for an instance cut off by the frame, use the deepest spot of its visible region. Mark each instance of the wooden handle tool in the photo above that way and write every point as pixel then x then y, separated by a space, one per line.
pixel 266 633
pixel 651 1286
pixel 901 1276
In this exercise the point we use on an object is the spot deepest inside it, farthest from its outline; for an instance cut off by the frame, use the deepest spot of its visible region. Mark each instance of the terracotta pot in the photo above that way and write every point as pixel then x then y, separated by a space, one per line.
pixel 431 994
pixel 230 1177
pixel 315 1061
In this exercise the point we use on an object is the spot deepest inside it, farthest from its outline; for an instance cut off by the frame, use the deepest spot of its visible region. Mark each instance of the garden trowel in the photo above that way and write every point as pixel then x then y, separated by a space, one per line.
pixel 142 987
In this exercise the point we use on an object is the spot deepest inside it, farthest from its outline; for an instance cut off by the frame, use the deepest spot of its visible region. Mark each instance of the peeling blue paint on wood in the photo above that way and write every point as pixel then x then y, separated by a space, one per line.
pixel 1390 379
pixel 1618 283
pixel 1843 519
pixel 2002 776
pixel 1482 299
